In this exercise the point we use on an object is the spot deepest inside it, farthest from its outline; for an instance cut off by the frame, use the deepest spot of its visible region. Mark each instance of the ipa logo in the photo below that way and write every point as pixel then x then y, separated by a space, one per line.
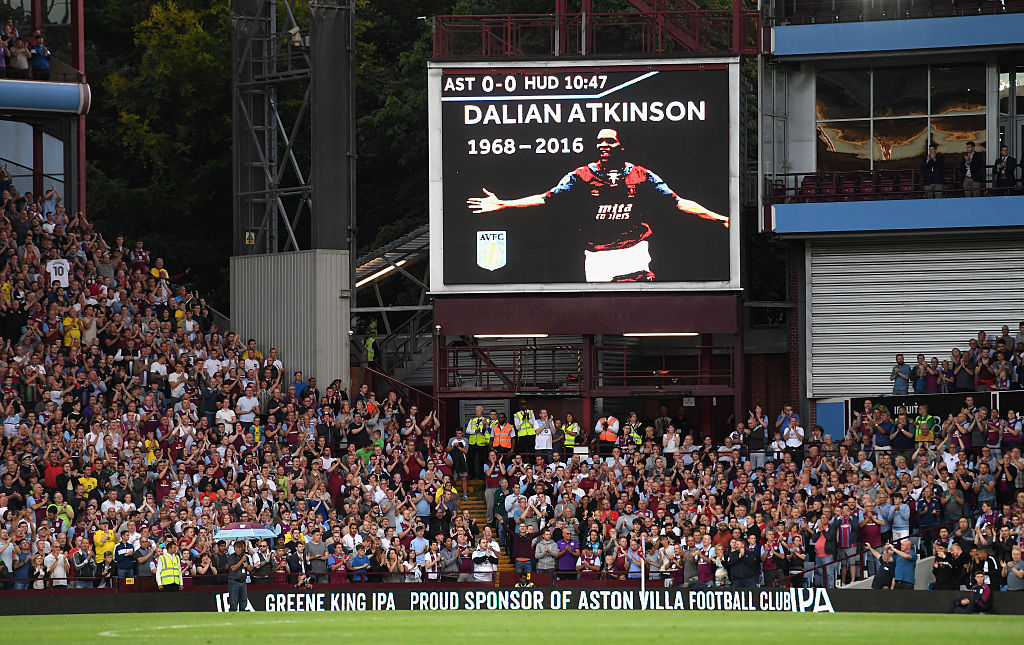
pixel 490 249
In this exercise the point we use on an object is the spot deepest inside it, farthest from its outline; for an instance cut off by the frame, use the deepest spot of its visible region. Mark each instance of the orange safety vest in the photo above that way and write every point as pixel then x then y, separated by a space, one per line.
pixel 607 434
pixel 502 435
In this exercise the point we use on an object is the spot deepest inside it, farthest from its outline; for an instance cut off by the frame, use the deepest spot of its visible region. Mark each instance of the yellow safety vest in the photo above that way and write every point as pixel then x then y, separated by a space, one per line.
pixel 369 344
pixel 170 569
pixel 526 428
pixel 607 434
pixel 503 436
pixel 481 435
pixel 570 440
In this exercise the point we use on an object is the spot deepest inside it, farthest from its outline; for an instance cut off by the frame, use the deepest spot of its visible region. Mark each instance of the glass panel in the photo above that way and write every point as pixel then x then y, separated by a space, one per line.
pixel 843 94
pixel 844 146
pixel 1019 86
pixel 958 89
pixel 901 91
pixel 951 135
pixel 780 92
pixel 899 143
pixel 1005 90
pixel 767 142
pixel 780 145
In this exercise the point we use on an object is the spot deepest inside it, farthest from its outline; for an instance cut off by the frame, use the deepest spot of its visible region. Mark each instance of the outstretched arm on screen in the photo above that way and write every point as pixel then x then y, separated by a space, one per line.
pixel 491 202
pixel 689 206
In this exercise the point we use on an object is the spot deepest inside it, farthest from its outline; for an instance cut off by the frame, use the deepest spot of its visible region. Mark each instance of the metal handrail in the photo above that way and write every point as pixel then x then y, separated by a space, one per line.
pixel 515 367
pixel 23 172
pixel 414 396
pixel 669 369
pixel 860 554
pixel 654 31
pixel 404 342
pixel 858 184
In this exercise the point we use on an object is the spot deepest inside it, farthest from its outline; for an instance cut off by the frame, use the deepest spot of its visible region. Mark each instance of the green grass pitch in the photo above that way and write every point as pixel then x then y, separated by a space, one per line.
pixel 563 627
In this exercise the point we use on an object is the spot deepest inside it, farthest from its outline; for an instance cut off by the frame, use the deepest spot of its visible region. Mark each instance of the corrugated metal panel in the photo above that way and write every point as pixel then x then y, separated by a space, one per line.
pixel 292 301
pixel 871 299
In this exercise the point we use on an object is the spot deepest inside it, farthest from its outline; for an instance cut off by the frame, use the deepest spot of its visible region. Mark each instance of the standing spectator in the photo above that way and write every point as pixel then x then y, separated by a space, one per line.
pixel 900 376
pixel 929 512
pixel 485 561
pixel 742 564
pixel 18 56
pixel 85 566
pixel 933 173
pixel 58 567
pixel 316 549
pixel 124 556
pixel 920 375
pixel 568 554
pixel 1004 172
pixel 40 59
pixel 546 552
pixel 974 171
pixel 883 577
pixel 238 566
pixel 906 563
pixel 1013 571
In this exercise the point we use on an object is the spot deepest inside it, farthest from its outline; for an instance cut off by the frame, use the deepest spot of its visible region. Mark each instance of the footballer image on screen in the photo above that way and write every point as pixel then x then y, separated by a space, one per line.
pixel 616 248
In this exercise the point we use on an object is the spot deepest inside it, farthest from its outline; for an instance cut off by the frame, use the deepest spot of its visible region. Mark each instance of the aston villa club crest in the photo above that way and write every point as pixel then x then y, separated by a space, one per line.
pixel 490 249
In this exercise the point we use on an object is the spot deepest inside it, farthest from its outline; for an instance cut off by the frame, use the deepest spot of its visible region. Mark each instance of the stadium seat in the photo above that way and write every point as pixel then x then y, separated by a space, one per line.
pixel 968 7
pixel 826 12
pixel 808 187
pixel 906 183
pixel 828 186
pixel 847 11
pixel 847 187
pixel 866 186
pixel 875 10
pixel 886 185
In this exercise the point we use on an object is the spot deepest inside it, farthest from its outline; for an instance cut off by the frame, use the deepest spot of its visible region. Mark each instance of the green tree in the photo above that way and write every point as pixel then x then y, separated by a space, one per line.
pixel 164 151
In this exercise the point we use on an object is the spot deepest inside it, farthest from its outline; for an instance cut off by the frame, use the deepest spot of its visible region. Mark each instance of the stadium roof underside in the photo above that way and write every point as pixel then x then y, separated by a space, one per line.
pixel 394 257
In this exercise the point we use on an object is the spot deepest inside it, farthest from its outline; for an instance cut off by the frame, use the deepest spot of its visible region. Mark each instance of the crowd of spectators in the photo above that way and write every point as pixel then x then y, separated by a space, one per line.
pixel 132 421
pixel 985 365
pixel 23 56
pixel 771 504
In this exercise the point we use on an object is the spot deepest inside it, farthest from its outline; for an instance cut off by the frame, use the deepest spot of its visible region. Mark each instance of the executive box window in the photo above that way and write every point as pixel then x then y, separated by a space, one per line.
pixel 883 118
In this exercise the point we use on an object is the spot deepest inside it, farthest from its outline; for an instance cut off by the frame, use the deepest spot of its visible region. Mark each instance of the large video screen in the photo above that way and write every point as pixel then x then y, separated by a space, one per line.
pixel 606 176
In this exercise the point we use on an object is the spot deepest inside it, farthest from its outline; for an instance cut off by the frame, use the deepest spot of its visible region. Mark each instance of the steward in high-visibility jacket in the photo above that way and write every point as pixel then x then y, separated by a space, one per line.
pixel 572 431
pixel 369 346
pixel 607 429
pixel 479 431
pixel 501 435
pixel 524 423
pixel 168 569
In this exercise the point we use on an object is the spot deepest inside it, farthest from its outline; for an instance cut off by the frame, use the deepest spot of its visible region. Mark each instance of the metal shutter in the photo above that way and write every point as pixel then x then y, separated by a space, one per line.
pixel 869 299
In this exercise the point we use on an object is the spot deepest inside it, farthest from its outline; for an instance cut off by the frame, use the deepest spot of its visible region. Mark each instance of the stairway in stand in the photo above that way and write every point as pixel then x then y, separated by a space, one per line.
pixel 477 506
